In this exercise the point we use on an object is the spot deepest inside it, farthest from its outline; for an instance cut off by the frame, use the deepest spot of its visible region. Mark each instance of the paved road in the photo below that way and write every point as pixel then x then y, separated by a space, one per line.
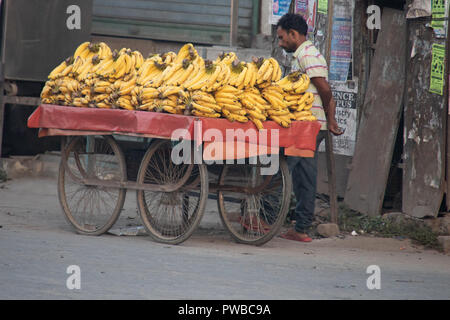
pixel 37 246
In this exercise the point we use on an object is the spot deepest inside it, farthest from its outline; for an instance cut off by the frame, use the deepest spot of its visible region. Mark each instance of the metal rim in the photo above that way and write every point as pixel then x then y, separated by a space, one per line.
pixel 171 217
pixel 256 215
pixel 91 210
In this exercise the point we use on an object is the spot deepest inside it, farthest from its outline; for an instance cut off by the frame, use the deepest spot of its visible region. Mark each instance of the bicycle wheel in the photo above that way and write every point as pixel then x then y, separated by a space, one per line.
pixel 91 209
pixel 171 217
pixel 253 206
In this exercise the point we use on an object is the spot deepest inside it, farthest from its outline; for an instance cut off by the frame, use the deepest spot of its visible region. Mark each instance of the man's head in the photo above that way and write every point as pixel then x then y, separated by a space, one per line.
pixel 291 30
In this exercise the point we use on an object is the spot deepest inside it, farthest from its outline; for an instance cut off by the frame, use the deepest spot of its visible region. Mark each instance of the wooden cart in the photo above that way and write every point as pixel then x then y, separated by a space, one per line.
pixel 171 198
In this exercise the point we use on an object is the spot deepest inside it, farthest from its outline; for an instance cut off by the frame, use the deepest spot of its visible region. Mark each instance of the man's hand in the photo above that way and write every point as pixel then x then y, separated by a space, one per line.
pixel 334 128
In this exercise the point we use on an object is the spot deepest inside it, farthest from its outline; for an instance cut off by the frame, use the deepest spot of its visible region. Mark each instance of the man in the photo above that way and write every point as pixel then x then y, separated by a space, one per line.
pixel 292 30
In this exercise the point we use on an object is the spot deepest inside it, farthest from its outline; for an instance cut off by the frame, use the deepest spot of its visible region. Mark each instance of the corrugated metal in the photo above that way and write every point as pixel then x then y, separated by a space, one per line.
pixel 198 21
pixel 35 36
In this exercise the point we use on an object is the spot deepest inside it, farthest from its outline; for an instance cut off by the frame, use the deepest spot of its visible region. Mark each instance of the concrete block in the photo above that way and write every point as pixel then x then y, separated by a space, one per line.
pixel 328 230
pixel 444 241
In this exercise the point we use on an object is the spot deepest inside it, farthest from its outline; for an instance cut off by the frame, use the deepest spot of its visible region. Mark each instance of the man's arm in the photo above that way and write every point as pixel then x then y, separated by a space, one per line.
pixel 329 105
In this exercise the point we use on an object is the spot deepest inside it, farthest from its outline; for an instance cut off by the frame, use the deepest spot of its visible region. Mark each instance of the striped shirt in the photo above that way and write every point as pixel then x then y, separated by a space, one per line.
pixel 307 59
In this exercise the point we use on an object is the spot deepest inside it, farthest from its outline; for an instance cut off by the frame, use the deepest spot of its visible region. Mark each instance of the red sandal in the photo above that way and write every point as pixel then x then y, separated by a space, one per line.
pixel 291 234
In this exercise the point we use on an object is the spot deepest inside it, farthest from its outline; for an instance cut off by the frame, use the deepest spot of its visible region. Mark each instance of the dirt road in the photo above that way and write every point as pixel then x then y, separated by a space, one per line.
pixel 37 246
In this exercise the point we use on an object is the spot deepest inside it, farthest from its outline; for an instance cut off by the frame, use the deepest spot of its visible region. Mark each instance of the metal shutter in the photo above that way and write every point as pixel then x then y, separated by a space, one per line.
pixel 197 21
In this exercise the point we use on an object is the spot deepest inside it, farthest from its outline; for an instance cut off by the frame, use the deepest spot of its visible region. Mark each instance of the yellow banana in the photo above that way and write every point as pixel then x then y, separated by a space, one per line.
pixel 207 115
pixel 258 123
pixel 262 71
pixel 81 48
pixel 202 108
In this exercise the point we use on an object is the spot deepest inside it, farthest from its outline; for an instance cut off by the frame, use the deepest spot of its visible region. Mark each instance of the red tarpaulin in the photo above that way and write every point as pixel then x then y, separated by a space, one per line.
pixel 61 120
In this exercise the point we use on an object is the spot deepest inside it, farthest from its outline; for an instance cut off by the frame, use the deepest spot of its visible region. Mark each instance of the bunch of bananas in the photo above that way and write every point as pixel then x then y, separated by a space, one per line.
pixel 268 71
pixel 180 83
pixel 201 104
pixel 299 102
pixel 228 99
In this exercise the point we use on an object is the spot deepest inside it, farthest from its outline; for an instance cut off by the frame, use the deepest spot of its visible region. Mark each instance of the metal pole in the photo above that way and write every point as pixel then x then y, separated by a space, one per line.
pixel 328 137
pixel 234 22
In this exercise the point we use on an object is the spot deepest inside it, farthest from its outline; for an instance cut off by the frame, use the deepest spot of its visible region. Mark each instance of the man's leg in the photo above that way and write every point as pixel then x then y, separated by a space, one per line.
pixel 304 177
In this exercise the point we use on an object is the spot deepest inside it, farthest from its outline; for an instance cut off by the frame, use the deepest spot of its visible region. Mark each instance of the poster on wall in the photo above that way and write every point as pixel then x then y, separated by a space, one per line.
pixel 439 12
pixel 341 43
pixel 308 9
pixel 345 95
pixel 279 8
pixel 437 69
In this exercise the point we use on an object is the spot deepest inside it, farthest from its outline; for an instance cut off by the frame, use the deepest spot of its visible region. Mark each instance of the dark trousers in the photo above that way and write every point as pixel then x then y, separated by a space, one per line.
pixel 304 182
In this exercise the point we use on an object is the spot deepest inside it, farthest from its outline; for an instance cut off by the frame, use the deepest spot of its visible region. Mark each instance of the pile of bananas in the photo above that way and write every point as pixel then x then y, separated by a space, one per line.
pixel 180 83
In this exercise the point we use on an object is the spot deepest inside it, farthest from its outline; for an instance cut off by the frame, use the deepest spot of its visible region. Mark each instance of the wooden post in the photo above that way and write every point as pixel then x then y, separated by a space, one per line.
pixel 447 94
pixel 2 109
pixel 234 22
pixel 328 137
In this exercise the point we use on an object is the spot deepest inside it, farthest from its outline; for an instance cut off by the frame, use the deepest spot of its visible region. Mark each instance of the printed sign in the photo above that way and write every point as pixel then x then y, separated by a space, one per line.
pixel 345 95
pixel 308 9
pixel 341 42
pixel 438 12
pixel 323 6
pixel 437 69
pixel 279 8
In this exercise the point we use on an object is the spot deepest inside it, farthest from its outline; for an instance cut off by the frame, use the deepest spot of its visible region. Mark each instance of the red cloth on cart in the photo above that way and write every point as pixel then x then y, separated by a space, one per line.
pixel 301 134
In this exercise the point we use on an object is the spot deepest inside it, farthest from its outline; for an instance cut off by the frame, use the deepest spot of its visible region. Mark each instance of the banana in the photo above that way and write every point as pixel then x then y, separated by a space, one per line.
pixel 124 103
pixel 55 72
pixel 120 67
pixel 268 74
pixel 170 109
pixel 226 95
pixel 274 101
pixel 273 93
pixel 239 118
pixel 262 71
pixel 258 123
pixel 241 78
pixel 213 106
pixel 307 98
pixel 256 115
pixel 276 70
pixel 186 52
pixel 221 100
pixel 212 79
pixel 127 87
pixel 292 97
pixel 278 112
pixel 202 96
pixel 306 118
pixel 251 70
pixel 103 105
pixel 280 121
pixel 232 108
pixel 202 108
pixel 82 47
pixel 207 115
pixel 170 71
pixel 228 89
pixel 77 64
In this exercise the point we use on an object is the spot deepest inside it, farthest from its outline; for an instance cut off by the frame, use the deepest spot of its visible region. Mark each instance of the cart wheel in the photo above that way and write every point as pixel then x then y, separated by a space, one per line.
pixel 91 209
pixel 171 217
pixel 253 206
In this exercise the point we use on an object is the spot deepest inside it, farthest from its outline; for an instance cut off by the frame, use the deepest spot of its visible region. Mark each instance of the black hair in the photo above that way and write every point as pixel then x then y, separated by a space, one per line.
pixel 293 21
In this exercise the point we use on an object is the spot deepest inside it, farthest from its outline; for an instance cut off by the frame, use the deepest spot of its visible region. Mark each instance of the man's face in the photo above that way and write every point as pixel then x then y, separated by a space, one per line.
pixel 286 40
